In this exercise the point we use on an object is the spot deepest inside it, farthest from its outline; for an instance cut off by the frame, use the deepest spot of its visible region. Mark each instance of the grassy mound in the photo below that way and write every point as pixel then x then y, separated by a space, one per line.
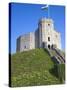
pixel 32 68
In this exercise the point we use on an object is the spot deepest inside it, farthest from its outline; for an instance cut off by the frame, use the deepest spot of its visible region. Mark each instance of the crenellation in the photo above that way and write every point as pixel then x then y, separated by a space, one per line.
pixel 45 36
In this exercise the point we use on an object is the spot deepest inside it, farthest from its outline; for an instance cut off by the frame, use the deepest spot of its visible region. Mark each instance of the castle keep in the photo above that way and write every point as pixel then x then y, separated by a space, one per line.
pixel 44 37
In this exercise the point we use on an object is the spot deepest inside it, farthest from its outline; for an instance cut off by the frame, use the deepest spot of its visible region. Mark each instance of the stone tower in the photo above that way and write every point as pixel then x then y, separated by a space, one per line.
pixel 45 36
pixel 25 42
pixel 48 36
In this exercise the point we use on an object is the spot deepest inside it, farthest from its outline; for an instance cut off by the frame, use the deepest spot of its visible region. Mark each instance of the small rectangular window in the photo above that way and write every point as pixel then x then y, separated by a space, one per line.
pixel 48 38
pixel 48 24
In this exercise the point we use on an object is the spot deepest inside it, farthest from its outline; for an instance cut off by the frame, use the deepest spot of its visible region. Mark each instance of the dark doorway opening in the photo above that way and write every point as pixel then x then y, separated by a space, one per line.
pixel 49 46
pixel 52 46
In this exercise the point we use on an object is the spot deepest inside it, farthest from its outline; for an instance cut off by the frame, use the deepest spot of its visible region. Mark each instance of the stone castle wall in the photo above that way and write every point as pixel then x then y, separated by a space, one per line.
pixel 44 36
pixel 26 41
pixel 47 34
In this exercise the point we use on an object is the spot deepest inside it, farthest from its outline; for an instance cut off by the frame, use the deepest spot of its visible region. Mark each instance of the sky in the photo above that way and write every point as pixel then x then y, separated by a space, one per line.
pixel 25 17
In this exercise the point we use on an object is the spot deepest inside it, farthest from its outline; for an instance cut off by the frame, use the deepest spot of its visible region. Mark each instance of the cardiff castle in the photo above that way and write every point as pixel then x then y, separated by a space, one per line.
pixel 45 36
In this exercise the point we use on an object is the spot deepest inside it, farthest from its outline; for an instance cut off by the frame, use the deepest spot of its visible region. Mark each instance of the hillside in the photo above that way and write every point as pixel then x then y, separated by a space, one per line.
pixel 31 68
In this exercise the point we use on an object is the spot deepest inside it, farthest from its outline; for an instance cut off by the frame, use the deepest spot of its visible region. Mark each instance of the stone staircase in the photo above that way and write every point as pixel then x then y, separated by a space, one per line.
pixel 56 55
pixel 60 54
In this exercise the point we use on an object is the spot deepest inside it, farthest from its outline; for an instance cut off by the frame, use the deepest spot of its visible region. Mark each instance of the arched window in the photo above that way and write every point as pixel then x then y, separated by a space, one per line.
pixel 48 38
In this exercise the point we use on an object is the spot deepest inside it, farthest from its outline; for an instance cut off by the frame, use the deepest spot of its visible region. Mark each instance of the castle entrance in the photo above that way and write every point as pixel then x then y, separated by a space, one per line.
pixel 49 46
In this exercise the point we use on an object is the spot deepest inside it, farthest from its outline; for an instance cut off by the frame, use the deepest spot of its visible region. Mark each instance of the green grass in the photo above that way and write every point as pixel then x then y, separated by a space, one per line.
pixel 32 68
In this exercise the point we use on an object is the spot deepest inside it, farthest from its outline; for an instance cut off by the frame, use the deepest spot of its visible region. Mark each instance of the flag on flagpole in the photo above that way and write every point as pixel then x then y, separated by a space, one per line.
pixel 44 7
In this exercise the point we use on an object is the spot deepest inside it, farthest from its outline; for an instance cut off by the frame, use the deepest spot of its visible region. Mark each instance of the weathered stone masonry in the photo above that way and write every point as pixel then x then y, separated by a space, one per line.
pixel 45 36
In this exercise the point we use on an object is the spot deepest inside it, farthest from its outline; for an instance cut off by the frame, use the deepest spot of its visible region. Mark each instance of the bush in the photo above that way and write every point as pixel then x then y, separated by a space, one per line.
pixel 61 72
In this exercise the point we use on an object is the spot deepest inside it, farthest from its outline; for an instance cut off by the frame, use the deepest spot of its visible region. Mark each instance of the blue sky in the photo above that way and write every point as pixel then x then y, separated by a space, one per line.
pixel 25 17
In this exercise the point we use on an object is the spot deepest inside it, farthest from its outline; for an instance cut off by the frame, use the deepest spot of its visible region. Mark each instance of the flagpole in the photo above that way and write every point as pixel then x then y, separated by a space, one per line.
pixel 48 12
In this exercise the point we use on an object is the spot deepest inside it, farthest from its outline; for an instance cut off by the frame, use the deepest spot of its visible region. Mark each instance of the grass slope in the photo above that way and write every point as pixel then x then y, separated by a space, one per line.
pixel 32 68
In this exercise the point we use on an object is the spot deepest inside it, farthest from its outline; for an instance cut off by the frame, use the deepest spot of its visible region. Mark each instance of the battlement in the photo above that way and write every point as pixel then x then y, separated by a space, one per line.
pixel 44 36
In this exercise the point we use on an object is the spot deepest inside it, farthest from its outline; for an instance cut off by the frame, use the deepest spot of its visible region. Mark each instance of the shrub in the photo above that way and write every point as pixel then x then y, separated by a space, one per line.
pixel 61 72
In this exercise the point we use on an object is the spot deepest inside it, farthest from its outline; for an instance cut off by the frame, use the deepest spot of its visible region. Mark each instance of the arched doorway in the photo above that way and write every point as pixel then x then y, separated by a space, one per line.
pixel 49 46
